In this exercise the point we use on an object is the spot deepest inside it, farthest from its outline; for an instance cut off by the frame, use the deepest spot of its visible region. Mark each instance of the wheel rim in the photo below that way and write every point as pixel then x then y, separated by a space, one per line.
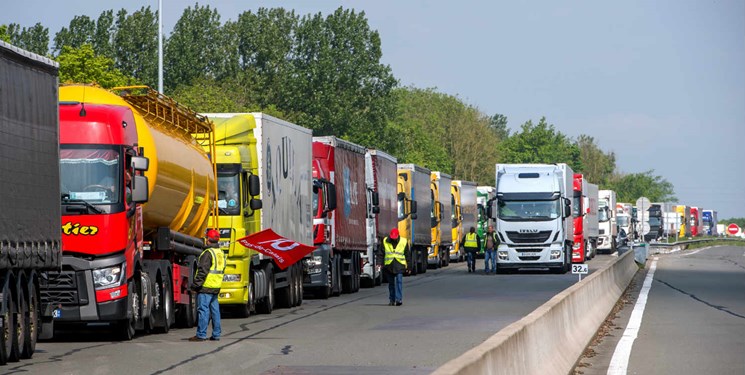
pixel 168 303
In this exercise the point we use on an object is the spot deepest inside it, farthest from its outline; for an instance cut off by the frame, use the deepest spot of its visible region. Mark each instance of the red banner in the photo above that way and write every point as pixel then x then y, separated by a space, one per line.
pixel 285 252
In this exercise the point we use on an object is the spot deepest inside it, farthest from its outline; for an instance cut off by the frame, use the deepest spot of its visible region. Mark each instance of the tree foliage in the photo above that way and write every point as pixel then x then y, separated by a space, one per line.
pixel 629 187
pixel 80 31
pixel 136 45
pixel 193 48
pixel 82 65
pixel 431 128
pixel 597 165
pixel 498 124
pixel 541 143
pixel 34 39
pixel 740 221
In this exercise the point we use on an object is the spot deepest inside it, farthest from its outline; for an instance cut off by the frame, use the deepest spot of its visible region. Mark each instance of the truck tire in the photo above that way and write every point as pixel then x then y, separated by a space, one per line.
pixel 299 285
pixel 6 334
pixel 19 341
pixel 285 296
pixel 164 311
pixel 266 306
pixel 33 322
pixel 126 327
pixel 336 286
pixel 423 260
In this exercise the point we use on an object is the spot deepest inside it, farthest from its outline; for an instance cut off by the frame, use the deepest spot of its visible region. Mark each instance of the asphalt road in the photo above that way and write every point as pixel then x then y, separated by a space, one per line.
pixel 693 321
pixel 445 313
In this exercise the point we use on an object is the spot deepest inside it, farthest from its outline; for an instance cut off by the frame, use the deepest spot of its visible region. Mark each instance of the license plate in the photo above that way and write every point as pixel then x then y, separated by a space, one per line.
pixel 531 254
pixel 57 313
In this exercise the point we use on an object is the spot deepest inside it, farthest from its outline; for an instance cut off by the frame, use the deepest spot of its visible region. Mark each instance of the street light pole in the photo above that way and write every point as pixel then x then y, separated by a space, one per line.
pixel 160 46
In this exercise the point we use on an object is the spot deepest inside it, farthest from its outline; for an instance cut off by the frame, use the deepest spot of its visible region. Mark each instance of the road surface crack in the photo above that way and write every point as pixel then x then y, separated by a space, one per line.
pixel 720 308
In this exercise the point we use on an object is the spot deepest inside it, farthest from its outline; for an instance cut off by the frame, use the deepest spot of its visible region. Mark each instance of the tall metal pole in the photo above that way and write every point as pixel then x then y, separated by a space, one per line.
pixel 160 46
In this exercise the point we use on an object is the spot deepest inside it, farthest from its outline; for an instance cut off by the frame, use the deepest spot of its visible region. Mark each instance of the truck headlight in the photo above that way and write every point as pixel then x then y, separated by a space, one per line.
pixel 230 277
pixel 109 277
pixel 555 254
pixel 503 255
pixel 576 246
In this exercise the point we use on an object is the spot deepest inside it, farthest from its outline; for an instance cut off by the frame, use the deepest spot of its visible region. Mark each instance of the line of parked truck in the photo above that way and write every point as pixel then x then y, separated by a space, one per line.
pixel 140 178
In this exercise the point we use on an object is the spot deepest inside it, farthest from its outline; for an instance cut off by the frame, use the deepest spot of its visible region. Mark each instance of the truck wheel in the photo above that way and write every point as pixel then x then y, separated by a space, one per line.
pixel 266 306
pixel 299 286
pixel 8 320
pixel 164 310
pixel 423 261
pixel 19 341
pixel 32 322
pixel 126 327
pixel 336 286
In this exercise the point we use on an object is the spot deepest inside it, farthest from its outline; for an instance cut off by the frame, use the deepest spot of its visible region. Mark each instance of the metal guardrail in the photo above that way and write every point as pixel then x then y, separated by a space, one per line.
pixel 665 248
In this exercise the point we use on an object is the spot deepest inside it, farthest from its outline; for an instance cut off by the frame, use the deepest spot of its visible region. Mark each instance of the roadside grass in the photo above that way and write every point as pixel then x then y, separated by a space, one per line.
pixel 699 245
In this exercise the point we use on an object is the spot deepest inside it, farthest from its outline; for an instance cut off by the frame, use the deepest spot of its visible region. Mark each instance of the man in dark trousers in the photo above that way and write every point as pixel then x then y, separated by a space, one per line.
pixel 394 264
pixel 207 282
pixel 471 243
pixel 491 242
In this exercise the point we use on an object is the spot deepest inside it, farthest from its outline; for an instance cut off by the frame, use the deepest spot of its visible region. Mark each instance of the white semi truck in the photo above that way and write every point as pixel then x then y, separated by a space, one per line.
pixel 608 221
pixel 534 216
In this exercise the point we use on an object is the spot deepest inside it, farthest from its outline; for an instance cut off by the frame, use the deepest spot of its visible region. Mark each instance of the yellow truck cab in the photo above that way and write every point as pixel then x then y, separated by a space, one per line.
pixel 438 253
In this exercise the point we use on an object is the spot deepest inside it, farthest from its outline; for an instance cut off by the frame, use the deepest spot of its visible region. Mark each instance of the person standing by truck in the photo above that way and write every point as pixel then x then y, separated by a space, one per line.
pixel 396 251
pixel 471 243
pixel 490 250
pixel 207 284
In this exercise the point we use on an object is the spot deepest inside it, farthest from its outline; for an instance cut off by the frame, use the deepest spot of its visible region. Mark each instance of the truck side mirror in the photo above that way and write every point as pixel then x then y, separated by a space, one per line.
pixel 375 199
pixel 489 212
pixel 331 199
pixel 413 208
pixel 254 185
pixel 255 204
pixel 140 189
pixel 376 210
pixel 413 216
pixel 140 163
pixel 567 208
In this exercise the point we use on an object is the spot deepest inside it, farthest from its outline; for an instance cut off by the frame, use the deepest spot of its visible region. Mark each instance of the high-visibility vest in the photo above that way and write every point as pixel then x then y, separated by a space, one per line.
pixel 471 240
pixel 215 275
pixel 396 253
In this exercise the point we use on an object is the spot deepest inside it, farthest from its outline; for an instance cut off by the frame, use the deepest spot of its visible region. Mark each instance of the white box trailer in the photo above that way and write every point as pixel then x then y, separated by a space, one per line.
pixel 590 223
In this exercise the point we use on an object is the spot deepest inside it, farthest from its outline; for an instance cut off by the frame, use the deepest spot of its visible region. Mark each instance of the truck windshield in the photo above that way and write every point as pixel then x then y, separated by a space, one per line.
pixel 654 221
pixel 577 204
pixel 603 215
pixel 228 199
pixel 91 174
pixel 623 221
pixel 529 210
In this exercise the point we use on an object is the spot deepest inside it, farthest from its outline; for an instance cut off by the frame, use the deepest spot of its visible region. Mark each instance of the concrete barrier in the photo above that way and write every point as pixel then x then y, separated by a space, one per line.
pixel 550 339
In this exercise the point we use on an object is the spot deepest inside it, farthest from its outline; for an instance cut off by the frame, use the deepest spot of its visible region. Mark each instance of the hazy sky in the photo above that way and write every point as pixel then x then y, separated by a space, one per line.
pixel 660 83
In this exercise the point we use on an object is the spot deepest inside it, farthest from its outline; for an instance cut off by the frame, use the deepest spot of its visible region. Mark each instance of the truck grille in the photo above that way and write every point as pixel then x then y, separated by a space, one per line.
pixel 60 288
pixel 539 237
pixel 529 258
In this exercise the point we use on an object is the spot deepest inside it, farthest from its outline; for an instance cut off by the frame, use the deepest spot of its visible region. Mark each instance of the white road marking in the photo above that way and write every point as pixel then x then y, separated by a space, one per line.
pixel 697 251
pixel 620 362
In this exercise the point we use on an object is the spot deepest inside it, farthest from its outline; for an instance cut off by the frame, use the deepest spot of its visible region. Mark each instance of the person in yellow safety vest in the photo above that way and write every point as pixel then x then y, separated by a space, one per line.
pixel 207 282
pixel 394 264
pixel 471 243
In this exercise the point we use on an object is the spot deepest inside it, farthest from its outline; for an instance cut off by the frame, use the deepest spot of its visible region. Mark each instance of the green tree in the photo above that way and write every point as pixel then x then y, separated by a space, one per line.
pixel 104 34
pixel 4 34
pixel 136 45
pixel 266 40
pixel 540 143
pixel 206 95
pixel 34 39
pixel 193 49
pixel 498 124
pixel 338 85
pixel 740 221
pixel 79 32
pixel 81 65
pixel 629 187
pixel 597 166
pixel 430 128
